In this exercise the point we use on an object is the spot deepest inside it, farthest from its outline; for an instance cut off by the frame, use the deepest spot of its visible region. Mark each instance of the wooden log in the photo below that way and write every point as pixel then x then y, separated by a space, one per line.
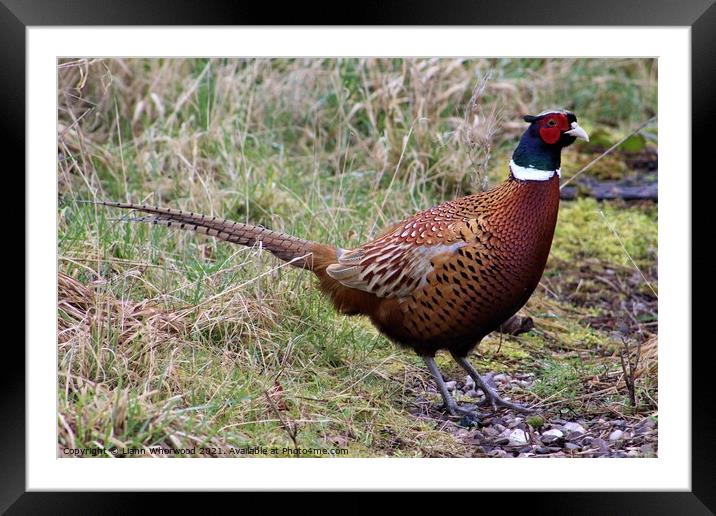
pixel 609 190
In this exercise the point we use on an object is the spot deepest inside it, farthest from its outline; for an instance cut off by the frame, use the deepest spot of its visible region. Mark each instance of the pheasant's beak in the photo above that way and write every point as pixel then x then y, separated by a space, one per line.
pixel 578 132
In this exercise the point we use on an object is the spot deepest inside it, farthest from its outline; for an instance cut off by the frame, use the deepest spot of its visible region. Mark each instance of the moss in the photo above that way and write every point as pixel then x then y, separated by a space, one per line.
pixel 586 230
pixel 610 167
pixel 536 422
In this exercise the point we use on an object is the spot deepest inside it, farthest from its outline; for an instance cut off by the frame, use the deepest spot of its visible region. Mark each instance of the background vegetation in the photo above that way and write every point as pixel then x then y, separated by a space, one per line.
pixel 175 340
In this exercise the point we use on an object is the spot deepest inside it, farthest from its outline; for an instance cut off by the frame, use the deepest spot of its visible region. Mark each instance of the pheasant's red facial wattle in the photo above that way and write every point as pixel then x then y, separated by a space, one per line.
pixel 552 126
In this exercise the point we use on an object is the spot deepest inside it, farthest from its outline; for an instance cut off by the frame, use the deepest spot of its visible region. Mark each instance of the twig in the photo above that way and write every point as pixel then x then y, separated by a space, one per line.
pixel 290 427
pixel 630 370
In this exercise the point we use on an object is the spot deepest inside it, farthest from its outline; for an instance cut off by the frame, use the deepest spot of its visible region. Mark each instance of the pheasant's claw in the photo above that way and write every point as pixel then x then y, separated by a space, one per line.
pixel 494 400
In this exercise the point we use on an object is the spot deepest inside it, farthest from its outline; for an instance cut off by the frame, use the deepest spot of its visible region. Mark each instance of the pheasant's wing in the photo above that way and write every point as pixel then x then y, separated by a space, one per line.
pixel 398 263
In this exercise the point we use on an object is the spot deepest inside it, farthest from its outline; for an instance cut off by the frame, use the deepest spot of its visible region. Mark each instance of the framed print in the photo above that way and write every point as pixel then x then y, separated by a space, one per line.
pixel 411 257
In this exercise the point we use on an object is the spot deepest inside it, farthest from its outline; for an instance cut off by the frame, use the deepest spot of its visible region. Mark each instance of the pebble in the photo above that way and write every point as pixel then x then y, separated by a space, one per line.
pixel 647 450
pixel 461 433
pixel 469 383
pixel 645 427
pixel 574 427
pixel 515 422
pixel 476 434
pixel 490 431
pixel 497 453
pixel 601 445
pixel 501 378
pixel 472 393
pixel 616 435
pixel 554 432
pixel 551 435
pixel 571 446
pixel 451 385
pixel 518 437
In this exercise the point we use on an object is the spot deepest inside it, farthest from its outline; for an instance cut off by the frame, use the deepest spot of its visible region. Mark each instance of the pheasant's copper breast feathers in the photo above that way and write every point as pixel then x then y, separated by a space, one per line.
pixel 456 270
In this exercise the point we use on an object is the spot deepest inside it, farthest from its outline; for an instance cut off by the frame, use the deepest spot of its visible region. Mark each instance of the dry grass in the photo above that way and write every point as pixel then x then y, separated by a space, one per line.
pixel 173 340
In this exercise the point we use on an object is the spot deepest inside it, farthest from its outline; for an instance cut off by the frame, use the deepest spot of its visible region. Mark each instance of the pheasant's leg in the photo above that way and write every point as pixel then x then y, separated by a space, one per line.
pixel 450 402
pixel 490 394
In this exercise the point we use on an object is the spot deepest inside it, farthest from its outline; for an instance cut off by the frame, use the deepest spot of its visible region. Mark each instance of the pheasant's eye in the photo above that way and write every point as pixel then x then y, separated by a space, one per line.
pixel 551 123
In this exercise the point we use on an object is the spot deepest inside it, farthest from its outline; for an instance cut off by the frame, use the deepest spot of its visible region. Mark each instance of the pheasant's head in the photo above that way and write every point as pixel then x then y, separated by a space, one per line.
pixel 557 128
pixel 539 152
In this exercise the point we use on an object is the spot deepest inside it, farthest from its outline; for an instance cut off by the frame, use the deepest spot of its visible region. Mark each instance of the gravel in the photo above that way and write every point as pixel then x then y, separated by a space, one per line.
pixel 506 433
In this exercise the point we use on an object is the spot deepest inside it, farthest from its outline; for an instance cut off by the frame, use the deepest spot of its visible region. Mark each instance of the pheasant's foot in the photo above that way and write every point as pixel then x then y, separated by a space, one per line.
pixel 491 396
pixel 449 402
pixel 461 410
pixel 494 399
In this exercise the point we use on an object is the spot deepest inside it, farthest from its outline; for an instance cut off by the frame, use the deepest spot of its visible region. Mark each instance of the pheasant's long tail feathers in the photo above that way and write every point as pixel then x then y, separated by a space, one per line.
pixel 296 251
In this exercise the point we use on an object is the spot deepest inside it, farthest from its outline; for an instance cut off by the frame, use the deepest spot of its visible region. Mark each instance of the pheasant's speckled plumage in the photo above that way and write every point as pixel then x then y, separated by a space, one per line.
pixel 449 275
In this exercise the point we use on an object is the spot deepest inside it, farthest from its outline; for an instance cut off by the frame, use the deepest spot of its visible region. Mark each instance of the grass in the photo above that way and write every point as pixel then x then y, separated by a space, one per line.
pixel 170 340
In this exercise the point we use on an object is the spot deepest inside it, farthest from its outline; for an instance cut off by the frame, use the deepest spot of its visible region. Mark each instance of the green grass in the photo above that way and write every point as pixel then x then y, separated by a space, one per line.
pixel 183 341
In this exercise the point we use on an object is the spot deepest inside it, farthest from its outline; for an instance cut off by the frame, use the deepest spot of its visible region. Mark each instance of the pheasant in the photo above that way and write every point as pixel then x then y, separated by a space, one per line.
pixel 444 278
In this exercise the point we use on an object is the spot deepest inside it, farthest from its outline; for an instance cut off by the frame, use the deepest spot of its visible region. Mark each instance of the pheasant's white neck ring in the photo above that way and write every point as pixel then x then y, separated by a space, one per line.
pixel 531 174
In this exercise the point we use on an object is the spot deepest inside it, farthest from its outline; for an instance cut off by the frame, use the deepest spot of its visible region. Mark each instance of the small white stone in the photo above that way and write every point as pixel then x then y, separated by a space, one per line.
pixel 616 435
pixel 451 385
pixel 469 382
pixel 518 437
pixel 574 427
pixel 553 433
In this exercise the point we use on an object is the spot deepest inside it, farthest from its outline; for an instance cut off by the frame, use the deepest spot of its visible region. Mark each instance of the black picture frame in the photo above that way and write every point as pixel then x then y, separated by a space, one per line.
pixel 700 15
